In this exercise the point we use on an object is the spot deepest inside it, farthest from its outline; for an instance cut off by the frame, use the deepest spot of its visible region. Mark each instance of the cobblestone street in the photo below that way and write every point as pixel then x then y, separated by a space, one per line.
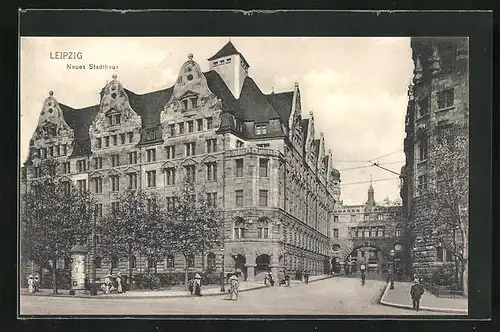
pixel 335 296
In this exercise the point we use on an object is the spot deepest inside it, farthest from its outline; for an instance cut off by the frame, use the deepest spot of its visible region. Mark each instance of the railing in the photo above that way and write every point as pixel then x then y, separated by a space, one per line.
pixel 253 150
pixel 443 291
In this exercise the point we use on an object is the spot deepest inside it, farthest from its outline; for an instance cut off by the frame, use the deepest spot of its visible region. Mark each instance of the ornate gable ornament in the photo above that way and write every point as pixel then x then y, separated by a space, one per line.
pixel 294 122
pixel 321 153
pixel 190 91
pixel 114 101
pixel 51 122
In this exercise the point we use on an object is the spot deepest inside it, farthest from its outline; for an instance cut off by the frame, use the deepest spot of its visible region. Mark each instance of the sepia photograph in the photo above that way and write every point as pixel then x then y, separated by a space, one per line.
pixel 237 175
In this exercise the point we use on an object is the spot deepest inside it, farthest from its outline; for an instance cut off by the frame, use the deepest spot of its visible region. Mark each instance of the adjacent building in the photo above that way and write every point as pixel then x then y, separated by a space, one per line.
pixel 438 100
pixel 365 234
pixel 254 153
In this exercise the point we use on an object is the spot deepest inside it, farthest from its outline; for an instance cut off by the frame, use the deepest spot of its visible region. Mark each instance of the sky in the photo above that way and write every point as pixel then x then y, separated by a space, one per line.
pixel 356 88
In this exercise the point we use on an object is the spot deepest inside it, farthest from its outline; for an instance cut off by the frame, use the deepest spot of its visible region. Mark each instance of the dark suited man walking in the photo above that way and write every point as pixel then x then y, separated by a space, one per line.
pixel 416 292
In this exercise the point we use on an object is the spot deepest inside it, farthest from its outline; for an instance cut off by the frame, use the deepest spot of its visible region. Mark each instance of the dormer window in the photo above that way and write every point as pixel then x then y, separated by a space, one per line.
pixel 221 62
pixel 261 129
pixel 228 60
pixel 215 63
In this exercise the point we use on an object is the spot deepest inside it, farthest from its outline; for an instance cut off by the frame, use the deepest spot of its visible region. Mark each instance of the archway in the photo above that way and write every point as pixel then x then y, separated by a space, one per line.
pixel 240 265
pixel 369 255
pixel 262 265
pixel 336 265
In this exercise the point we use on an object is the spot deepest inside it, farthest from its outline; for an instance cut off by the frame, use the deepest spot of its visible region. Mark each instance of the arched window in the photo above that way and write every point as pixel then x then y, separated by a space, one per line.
pixel 133 262
pixel 190 261
pixel 211 261
pixel 263 228
pixel 239 228
pixel 398 230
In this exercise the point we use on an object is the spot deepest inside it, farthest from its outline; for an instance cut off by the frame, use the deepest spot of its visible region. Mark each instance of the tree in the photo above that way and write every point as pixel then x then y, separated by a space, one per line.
pixel 195 223
pixel 55 216
pixel 388 202
pixel 123 226
pixel 443 218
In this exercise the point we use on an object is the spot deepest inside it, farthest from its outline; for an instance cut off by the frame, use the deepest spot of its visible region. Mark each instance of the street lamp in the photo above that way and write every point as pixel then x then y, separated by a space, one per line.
pixel 222 289
pixel 391 269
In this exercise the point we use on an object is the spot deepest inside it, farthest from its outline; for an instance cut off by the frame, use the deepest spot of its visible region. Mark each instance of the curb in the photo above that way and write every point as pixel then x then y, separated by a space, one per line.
pixel 407 306
pixel 115 297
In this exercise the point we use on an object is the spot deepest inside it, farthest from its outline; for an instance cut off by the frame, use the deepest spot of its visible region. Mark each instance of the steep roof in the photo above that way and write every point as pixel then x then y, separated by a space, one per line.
pixel 282 103
pixel 253 104
pixel 149 106
pixel 227 50
pixel 80 120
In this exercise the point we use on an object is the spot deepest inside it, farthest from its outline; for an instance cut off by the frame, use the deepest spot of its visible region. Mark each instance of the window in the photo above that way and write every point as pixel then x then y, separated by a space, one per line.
pixel 440 181
pixel 98 210
pixel 263 197
pixel 380 217
pixel 263 232
pixel 239 230
pixel 380 232
pixel 190 173
pixel 81 165
pixel 115 139
pixel 106 141
pixel 239 168
pixel 422 184
pixel 373 232
pixel 170 261
pixel 98 163
pixel 82 186
pixel 132 157
pixel 194 104
pixel 199 124
pixel 448 256
pixel 239 197
pixel 132 180
pixel 170 173
pixel 228 60
pixel 209 123
pixel 211 261
pixel 215 63
pixel 335 233
pixel 151 175
pixel 133 262
pixel 98 262
pixel 263 145
pixel 171 129
pixel 398 232
pixel 239 144
pixel 38 172
pixel 366 232
pixel 122 138
pixel 114 262
pixel 51 151
pixel 130 137
pixel 353 217
pixel 439 254
pixel 211 145
pixel 151 155
pixel 43 152
pixel 115 182
pixel 423 107
pixel 115 207
pixel 190 126
pixel 212 171
pixel 170 203
pixel 151 263
pixel 446 98
pixel 170 151
pixel 260 129
pixel 190 261
pixel 212 199
pixel 221 62
pixel 423 149
pixel 97 185
pixel 64 150
pixel 115 160
pixel 67 167
pixel 263 167
pixel 190 149
pixel 181 128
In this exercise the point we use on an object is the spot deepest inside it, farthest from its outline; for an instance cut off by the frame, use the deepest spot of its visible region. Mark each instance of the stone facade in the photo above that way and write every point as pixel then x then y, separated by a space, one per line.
pixel 366 233
pixel 438 97
pixel 252 152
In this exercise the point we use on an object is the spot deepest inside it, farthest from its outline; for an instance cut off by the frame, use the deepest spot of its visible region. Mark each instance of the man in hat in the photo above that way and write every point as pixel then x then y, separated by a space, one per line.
pixel 306 276
pixel 36 282
pixel 197 285
pixel 416 292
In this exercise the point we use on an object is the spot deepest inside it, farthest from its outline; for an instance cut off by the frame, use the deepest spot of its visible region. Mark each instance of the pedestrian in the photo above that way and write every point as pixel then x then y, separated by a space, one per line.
pixel 306 277
pixel 191 286
pixel 125 283
pixel 416 292
pixel 234 287
pixel 287 280
pixel 36 282
pixel 31 284
pixel 197 285
pixel 363 277
pixel 119 287
pixel 107 284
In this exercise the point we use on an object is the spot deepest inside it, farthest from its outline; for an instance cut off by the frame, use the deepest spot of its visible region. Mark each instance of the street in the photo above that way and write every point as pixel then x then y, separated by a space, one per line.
pixel 335 296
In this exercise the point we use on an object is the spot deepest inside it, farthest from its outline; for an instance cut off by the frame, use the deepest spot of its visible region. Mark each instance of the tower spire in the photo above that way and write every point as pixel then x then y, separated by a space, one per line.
pixel 371 194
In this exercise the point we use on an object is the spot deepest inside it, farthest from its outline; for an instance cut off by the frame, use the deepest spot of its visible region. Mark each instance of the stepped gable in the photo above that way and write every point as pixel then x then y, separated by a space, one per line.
pixel 282 103
pixel 228 50
pixel 253 104
pixel 80 120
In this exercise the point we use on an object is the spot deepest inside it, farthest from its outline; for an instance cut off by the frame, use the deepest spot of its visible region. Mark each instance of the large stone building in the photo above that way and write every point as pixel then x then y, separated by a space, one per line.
pixel 366 233
pixel 254 153
pixel 438 100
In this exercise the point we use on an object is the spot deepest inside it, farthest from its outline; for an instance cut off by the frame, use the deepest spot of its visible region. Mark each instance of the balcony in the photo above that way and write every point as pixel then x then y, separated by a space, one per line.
pixel 255 151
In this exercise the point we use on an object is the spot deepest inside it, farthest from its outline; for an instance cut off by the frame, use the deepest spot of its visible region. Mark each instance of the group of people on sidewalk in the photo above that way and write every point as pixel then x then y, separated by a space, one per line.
pixel 194 285
pixel 114 283
pixel 33 283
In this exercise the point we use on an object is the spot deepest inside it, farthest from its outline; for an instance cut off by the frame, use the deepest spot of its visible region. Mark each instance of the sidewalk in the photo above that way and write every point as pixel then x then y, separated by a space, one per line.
pixel 175 292
pixel 399 297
